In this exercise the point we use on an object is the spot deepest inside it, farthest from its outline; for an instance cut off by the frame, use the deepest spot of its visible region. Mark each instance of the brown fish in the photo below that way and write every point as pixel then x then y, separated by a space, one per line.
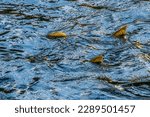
pixel 57 35
pixel 97 59
pixel 121 32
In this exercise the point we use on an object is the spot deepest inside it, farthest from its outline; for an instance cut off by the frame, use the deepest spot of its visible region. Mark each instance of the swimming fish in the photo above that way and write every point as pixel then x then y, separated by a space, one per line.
pixel 120 33
pixel 57 35
pixel 97 59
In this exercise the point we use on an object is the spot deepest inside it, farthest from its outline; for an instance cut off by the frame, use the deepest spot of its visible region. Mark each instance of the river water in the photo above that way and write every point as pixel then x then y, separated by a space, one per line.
pixel 33 66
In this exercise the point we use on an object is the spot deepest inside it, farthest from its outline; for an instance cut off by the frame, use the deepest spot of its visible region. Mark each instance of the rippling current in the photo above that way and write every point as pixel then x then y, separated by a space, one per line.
pixel 35 67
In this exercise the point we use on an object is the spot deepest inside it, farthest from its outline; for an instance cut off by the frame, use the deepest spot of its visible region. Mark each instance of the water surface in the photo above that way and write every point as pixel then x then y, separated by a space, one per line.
pixel 35 67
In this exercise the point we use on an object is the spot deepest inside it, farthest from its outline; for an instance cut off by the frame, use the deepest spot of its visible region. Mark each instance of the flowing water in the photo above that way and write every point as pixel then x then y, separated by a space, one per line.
pixel 33 66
